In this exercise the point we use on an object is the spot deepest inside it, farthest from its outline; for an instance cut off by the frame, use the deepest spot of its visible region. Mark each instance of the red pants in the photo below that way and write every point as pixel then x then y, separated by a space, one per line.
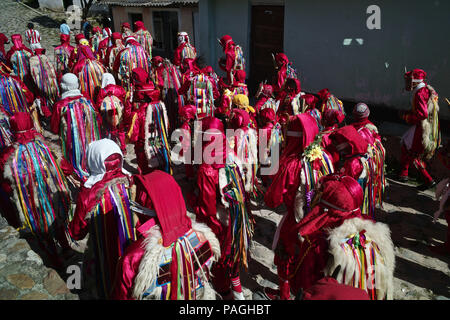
pixel 407 159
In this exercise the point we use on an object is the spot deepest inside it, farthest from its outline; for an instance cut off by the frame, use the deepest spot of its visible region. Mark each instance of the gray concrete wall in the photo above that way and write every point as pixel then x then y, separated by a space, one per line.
pixel 412 34
pixel 56 5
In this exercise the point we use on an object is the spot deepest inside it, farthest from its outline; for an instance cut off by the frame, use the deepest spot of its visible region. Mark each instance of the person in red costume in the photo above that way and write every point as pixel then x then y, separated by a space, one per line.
pixel 42 206
pixel 233 59
pixel 265 98
pixel 305 243
pixel 301 132
pixel 132 56
pixel 271 129
pixel 187 115
pixel 148 124
pixel 18 57
pixel 150 266
pixel 185 49
pixel 83 53
pixel 331 120
pixel 238 85
pixel 144 37
pixel 220 174
pixel 421 140
pixel 126 31
pixel 113 50
pixel 110 104
pixel 103 211
pixel 63 53
pixel 75 119
pixel 96 38
pixel 284 72
pixel 289 100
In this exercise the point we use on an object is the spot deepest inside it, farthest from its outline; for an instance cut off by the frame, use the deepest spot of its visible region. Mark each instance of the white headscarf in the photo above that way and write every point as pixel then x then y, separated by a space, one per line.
pixel 96 154
pixel 107 79
pixel 69 86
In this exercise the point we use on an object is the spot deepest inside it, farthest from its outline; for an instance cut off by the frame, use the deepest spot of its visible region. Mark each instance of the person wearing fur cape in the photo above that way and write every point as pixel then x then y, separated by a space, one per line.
pixel 302 163
pixel 172 258
pixel 148 125
pixel 88 69
pixel 335 234
pixel 38 197
pixel 421 140
pixel 131 57
pixel 143 36
pixel 103 211
pixel 113 50
pixel 46 83
pixel 18 57
pixel 75 119
pixel 221 175
pixel 63 53
pixel 16 97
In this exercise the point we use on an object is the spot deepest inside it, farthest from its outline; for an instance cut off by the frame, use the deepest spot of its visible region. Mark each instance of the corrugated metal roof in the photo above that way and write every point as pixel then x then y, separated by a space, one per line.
pixel 147 3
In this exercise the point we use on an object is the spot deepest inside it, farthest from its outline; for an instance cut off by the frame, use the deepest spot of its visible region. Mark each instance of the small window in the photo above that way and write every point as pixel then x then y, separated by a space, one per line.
pixel 133 17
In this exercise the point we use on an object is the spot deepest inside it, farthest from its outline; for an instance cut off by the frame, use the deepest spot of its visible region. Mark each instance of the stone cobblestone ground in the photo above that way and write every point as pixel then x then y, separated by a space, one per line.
pixel 419 274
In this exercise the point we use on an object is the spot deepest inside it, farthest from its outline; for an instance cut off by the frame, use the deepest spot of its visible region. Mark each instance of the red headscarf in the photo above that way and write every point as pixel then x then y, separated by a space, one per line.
pixel 416 74
pixel 239 76
pixel 139 25
pixel 157 61
pixel 302 130
pixel 265 90
pixel 190 66
pixel 310 100
pixel 79 37
pixel 267 115
pixel 240 120
pixel 332 117
pixel 187 112
pixel 126 25
pixel 226 40
pixel 341 198
pixel 324 94
pixel 217 134
pixel 293 87
pixel 281 59
pixel 64 38
pixel 348 134
pixel 96 29
pixel 22 127
pixel 143 87
pixel 116 36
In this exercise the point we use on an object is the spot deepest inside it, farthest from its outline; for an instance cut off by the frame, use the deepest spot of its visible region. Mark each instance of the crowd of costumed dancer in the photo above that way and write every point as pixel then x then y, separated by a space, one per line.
pixel 109 91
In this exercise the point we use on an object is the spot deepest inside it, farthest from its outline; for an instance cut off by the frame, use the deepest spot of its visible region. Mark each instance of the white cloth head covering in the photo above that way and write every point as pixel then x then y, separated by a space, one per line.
pixel 107 79
pixel 96 154
pixel 69 81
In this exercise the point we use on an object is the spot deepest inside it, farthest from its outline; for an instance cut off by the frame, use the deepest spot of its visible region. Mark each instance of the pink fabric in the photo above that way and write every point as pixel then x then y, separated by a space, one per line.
pixel 22 127
pixel 16 39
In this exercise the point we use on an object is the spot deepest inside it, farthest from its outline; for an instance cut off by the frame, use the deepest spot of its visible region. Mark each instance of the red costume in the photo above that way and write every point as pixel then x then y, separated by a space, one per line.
pixel 422 139
pixel 329 101
pixel 18 57
pixel 144 37
pixel 305 243
pixel 148 123
pixel 187 115
pixel 265 98
pixel 163 232
pixel 184 50
pixel 103 210
pixel 75 119
pixel 125 28
pixel 220 174
pixel 293 185
pixel 329 289
pixel 34 183
pixel 63 53
pixel 3 40
pixel 113 50
pixel 233 59
pixel 285 71
pixel 110 103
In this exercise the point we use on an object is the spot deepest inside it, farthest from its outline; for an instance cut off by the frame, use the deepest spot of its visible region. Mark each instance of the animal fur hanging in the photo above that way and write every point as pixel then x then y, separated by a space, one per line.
pixel 431 135
pixel 365 252
pixel 145 283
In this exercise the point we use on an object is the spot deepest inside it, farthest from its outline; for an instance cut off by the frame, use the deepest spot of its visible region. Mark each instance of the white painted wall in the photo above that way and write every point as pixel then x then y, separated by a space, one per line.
pixel 414 33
